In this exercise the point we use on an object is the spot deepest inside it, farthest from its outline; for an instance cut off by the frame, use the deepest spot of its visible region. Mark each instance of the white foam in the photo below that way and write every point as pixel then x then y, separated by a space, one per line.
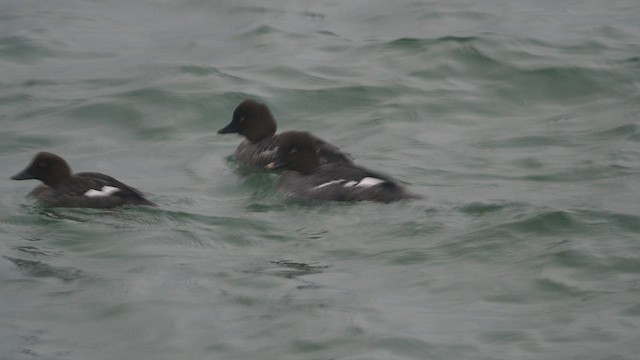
pixel 105 191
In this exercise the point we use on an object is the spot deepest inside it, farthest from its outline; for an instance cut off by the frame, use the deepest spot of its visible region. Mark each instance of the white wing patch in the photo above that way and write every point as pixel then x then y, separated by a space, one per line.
pixel 369 182
pixel 105 191
pixel 365 182
pixel 330 183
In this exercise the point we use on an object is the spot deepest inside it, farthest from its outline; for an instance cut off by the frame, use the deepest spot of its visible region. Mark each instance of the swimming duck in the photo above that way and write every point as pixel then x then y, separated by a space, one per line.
pixel 255 121
pixel 61 188
pixel 308 178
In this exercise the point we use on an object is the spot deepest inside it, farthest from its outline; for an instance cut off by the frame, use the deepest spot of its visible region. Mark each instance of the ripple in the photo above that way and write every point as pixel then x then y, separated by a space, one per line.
pixel 33 250
pixel 204 70
pixel 586 173
pixel 291 269
pixel 416 348
pixel 557 289
pixel 38 269
pixel 482 208
pixel 21 49
pixel 547 223
pixel 251 9
pixel 525 142
pixel 621 132
pixel 423 44
pixel 260 30
pixel 101 112
pixel 599 266
pixel 626 223
pixel 631 311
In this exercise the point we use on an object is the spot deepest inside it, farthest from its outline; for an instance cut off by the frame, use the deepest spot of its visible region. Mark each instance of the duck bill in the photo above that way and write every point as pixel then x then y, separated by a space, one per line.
pixel 229 129
pixel 23 175
pixel 277 164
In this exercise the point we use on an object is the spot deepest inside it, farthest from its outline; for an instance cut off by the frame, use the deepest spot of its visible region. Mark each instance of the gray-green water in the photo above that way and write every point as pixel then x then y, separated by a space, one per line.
pixel 518 120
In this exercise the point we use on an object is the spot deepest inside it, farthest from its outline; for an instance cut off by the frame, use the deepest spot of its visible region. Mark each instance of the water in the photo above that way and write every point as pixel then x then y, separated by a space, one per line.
pixel 518 120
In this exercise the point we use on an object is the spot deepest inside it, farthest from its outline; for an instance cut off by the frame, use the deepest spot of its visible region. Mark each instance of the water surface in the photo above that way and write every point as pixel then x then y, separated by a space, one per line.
pixel 518 120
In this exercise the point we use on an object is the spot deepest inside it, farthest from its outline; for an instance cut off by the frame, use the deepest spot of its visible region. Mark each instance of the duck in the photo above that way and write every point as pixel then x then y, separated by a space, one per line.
pixel 307 178
pixel 256 123
pixel 61 188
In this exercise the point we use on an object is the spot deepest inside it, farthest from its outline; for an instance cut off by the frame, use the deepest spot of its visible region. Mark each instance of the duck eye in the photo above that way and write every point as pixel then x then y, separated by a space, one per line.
pixel 242 119
pixel 42 164
pixel 293 151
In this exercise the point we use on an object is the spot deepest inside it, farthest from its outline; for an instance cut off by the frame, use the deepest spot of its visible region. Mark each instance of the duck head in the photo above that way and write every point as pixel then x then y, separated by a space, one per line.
pixel 47 167
pixel 297 151
pixel 253 120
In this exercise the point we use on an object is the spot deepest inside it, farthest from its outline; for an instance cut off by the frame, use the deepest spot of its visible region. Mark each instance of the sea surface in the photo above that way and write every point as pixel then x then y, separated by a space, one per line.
pixel 518 121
